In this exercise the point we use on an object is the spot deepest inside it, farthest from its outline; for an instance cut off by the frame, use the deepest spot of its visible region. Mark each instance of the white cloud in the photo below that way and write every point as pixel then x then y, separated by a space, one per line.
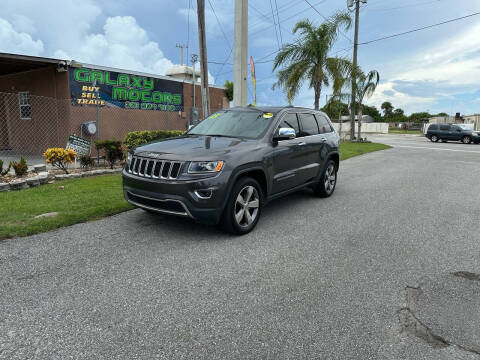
pixel 123 44
pixel 386 92
pixel 12 41
pixel 439 72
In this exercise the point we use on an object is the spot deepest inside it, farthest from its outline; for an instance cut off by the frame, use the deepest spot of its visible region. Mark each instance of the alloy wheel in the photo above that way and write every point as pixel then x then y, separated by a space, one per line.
pixel 246 206
pixel 330 178
pixel 434 138
pixel 466 140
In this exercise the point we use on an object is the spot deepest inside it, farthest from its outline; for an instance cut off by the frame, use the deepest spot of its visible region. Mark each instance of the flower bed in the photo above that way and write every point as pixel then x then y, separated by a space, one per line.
pixel 39 176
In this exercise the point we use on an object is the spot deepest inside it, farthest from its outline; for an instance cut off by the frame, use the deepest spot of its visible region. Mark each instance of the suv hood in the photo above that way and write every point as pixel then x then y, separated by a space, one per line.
pixel 196 147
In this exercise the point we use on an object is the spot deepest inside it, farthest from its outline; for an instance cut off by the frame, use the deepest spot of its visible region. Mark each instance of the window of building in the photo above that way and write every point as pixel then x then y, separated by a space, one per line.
pixel 290 121
pixel 323 124
pixel 24 105
pixel 309 125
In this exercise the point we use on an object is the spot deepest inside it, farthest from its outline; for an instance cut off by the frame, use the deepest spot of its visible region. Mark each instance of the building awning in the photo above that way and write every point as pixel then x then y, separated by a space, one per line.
pixel 14 63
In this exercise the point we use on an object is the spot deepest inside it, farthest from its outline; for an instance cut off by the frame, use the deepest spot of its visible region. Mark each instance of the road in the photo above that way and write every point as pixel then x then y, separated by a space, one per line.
pixel 318 278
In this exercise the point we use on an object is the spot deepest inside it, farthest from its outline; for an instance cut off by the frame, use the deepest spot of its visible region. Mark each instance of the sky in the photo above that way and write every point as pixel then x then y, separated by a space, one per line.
pixel 435 70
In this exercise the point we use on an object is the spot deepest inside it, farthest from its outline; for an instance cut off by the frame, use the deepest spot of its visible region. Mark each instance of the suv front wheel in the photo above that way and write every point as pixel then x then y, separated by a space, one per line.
pixel 466 139
pixel 244 207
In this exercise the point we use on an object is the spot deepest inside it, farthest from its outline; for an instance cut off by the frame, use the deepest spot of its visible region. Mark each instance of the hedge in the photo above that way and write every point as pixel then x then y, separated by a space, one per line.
pixel 137 138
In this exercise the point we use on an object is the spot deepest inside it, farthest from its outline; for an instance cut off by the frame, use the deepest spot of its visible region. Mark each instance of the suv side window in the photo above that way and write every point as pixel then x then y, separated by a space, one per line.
pixel 309 125
pixel 445 127
pixel 455 128
pixel 433 127
pixel 290 120
pixel 323 124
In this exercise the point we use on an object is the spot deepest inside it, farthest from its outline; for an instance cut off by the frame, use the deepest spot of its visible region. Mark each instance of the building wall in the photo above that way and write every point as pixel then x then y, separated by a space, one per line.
pixel 54 117
pixel 45 86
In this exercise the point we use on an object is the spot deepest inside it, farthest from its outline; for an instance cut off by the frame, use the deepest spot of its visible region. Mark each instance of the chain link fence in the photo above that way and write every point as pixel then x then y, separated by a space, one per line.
pixel 31 124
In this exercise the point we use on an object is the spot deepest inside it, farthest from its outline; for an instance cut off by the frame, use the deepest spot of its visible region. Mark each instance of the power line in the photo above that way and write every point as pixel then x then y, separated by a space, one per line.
pixel 274 24
pixel 325 18
pixel 220 25
pixel 405 6
pixel 278 20
pixel 286 19
pixel 419 29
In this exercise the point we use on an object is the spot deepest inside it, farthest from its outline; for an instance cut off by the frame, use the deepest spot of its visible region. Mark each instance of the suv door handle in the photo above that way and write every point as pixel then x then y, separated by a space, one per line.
pixel 323 139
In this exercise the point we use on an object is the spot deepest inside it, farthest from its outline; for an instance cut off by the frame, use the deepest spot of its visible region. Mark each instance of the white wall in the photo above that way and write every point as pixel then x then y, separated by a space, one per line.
pixel 372 128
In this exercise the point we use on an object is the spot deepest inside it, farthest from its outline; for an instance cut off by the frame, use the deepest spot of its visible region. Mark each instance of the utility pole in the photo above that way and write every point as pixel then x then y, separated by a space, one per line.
pixel 354 80
pixel 193 112
pixel 240 53
pixel 202 42
pixel 181 47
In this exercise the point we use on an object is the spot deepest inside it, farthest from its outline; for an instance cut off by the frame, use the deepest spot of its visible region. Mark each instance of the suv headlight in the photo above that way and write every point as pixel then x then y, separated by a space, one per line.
pixel 199 167
pixel 129 158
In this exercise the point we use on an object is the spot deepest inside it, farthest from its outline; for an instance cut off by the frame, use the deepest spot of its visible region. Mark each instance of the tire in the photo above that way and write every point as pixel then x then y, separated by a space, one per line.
pixel 328 180
pixel 466 140
pixel 434 138
pixel 246 198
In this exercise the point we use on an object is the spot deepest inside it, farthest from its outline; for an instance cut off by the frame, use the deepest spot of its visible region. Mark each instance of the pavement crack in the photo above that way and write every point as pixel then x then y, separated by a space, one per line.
pixel 467 275
pixel 412 325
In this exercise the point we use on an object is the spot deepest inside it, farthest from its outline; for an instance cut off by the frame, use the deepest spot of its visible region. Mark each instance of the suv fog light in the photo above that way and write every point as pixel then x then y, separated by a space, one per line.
pixel 204 194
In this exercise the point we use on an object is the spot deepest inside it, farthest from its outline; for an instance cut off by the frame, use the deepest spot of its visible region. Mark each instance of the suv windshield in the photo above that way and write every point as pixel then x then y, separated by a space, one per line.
pixel 233 123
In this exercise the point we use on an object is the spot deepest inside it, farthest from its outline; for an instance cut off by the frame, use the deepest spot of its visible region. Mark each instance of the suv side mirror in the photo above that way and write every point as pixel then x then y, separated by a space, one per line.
pixel 285 134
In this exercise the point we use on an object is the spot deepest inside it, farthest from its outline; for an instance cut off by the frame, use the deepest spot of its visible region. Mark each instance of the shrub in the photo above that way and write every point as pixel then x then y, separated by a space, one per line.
pixel 86 161
pixel 4 172
pixel 20 168
pixel 137 138
pixel 113 150
pixel 60 157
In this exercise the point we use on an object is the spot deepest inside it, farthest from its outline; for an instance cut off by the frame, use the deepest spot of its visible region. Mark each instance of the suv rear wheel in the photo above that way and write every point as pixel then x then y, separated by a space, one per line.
pixel 434 138
pixel 328 180
pixel 244 207
pixel 466 139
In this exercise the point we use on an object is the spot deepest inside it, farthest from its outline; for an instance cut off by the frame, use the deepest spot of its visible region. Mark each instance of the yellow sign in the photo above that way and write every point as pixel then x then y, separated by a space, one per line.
pixel 267 115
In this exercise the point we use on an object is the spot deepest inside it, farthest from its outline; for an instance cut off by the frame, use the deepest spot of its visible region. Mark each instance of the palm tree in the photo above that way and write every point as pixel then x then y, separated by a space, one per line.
pixel 364 88
pixel 307 58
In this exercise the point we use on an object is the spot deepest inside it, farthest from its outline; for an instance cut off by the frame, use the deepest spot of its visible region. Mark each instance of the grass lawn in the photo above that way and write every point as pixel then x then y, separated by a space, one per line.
pixel 403 131
pixel 81 200
pixel 86 199
pixel 348 149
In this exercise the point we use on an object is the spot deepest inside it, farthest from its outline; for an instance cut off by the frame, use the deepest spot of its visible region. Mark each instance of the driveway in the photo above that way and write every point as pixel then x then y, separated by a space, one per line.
pixel 318 278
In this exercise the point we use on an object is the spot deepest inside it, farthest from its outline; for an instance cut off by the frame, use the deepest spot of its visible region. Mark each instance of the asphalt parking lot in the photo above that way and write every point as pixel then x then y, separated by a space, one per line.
pixel 318 278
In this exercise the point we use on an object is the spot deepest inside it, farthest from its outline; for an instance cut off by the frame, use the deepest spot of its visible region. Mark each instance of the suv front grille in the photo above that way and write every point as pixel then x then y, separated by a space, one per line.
pixel 156 169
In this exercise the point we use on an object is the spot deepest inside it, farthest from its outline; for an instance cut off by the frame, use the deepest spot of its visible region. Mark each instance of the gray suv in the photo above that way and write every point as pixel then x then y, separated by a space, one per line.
pixel 452 132
pixel 226 168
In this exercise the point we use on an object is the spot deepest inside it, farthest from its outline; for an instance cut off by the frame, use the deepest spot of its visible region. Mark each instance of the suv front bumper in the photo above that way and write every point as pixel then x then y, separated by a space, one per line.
pixel 177 197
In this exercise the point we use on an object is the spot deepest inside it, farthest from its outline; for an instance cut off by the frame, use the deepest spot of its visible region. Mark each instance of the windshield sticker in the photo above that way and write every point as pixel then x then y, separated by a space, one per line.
pixel 267 115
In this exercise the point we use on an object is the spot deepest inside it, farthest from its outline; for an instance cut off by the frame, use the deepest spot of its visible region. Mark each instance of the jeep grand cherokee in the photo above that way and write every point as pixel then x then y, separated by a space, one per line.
pixel 227 167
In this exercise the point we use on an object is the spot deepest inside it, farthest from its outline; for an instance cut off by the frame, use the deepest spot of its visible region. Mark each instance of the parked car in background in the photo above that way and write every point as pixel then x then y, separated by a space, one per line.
pixel 227 167
pixel 452 132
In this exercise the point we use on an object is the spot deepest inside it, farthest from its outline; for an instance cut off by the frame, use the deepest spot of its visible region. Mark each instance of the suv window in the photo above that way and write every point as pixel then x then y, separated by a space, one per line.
pixel 290 120
pixel 433 127
pixel 445 127
pixel 455 128
pixel 309 125
pixel 323 124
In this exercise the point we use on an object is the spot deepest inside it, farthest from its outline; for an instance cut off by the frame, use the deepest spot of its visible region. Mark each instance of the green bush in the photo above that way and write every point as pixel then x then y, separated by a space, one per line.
pixel 20 168
pixel 113 150
pixel 86 161
pixel 4 172
pixel 137 138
